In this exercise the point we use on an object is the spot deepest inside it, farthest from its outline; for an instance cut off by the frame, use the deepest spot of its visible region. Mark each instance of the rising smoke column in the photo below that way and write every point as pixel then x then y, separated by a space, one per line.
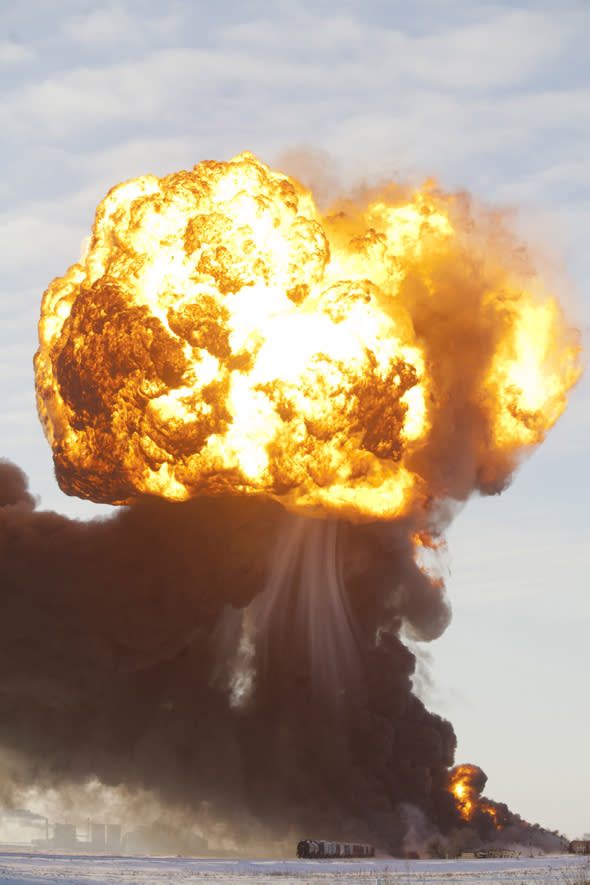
pixel 114 665
pixel 290 403
pixel 110 668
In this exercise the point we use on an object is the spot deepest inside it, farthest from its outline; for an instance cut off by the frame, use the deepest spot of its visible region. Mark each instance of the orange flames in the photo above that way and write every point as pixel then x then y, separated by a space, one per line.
pixel 221 335
pixel 466 783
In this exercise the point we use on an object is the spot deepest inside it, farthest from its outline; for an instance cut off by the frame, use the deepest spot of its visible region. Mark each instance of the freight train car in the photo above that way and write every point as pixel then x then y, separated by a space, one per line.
pixel 320 848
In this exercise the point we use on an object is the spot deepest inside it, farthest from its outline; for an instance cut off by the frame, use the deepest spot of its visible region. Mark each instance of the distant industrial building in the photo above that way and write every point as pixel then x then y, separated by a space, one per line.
pixel 96 838
pixel 104 838
pixel 99 838
pixel 113 838
pixel 64 837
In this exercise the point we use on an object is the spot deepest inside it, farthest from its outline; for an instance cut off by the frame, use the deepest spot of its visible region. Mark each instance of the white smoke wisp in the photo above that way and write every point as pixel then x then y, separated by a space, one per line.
pixel 324 608
pixel 242 676
pixel 303 608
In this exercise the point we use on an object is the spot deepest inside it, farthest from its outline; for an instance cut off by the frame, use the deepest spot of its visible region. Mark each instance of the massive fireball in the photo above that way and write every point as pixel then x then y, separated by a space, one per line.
pixel 222 335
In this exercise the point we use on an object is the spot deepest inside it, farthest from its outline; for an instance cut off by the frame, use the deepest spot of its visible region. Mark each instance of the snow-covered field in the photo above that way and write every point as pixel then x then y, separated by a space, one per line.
pixel 51 869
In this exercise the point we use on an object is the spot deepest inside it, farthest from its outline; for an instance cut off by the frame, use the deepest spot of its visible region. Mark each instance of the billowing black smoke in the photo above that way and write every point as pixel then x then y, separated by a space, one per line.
pixel 223 652
pixel 116 660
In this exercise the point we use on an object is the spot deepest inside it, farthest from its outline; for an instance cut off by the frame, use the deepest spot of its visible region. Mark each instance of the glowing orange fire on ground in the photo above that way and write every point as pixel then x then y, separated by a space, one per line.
pixel 222 335
pixel 466 783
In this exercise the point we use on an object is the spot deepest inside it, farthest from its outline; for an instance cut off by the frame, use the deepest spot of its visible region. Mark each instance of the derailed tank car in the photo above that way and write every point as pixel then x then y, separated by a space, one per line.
pixel 311 848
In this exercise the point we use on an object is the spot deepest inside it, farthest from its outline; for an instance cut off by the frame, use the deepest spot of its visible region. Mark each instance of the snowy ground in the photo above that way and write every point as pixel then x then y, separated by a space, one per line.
pixel 54 869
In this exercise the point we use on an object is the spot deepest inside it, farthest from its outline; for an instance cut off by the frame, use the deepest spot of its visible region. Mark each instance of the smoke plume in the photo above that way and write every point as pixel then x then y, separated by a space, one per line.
pixel 184 649
pixel 110 666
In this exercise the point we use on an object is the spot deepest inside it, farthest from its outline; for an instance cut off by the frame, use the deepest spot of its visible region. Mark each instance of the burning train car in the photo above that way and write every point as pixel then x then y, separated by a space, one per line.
pixel 312 848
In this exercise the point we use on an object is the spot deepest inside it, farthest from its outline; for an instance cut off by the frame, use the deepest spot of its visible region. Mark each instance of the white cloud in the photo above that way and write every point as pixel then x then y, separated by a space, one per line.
pixel 331 78
pixel 133 157
pixel 502 51
pixel 144 91
pixel 13 53
pixel 16 362
pixel 108 24
pixel 113 25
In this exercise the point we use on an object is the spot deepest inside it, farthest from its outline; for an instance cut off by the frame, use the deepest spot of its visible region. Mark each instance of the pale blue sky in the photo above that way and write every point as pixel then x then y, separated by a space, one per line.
pixel 493 97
